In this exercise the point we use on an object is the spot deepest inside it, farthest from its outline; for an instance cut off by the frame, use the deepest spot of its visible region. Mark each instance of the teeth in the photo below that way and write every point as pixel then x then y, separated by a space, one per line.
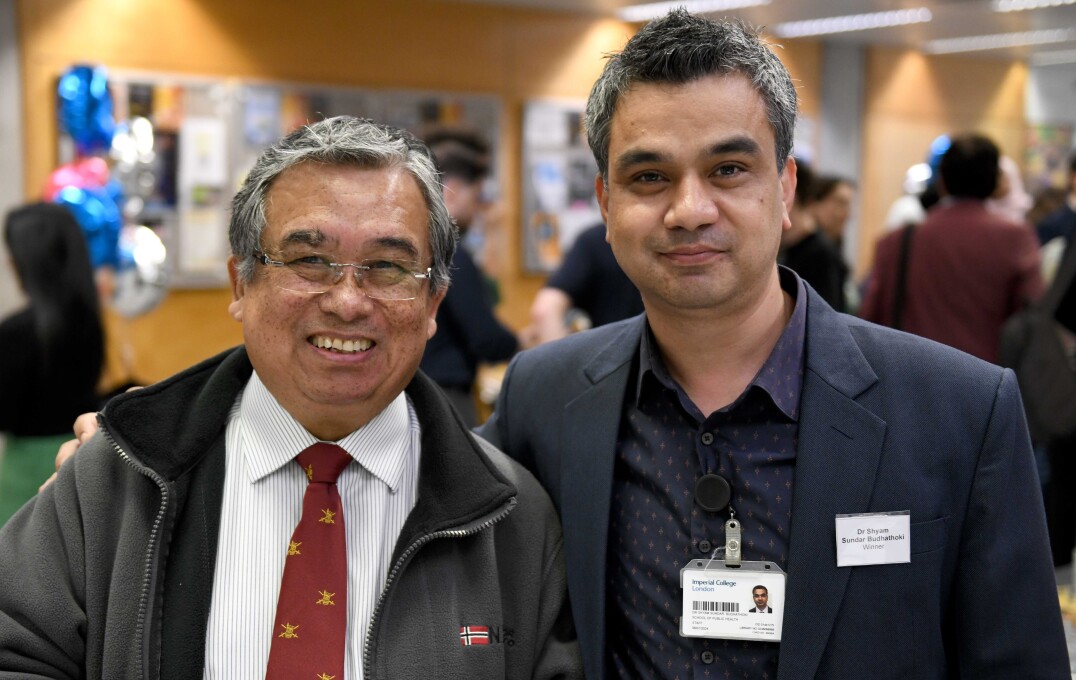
pixel 338 345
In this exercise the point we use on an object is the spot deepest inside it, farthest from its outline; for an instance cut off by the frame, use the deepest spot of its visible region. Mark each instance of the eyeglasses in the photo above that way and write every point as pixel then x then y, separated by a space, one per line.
pixel 379 279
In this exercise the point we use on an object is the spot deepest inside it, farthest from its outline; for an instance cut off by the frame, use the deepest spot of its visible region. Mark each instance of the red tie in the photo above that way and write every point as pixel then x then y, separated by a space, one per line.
pixel 311 615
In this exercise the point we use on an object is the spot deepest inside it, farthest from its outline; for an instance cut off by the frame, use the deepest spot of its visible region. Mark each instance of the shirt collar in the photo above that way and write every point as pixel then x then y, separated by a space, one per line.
pixel 781 376
pixel 272 437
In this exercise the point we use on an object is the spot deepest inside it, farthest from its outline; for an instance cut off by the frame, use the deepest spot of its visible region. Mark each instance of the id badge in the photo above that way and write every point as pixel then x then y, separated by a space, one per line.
pixel 732 603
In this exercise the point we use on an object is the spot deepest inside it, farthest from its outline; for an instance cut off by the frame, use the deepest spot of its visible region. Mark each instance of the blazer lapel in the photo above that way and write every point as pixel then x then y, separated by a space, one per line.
pixel 588 431
pixel 840 445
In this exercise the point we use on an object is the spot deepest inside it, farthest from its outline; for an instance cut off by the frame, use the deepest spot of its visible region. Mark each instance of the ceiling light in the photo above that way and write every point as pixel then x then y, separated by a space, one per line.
pixel 1021 5
pixel 999 41
pixel 654 10
pixel 1051 58
pixel 852 22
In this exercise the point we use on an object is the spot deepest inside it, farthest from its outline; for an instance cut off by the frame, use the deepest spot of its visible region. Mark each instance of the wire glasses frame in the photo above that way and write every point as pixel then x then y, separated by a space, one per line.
pixel 379 279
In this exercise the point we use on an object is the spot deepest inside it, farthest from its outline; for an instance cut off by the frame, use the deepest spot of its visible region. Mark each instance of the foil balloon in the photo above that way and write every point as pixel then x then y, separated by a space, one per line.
pixel 142 279
pixel 85 105
pixel 85 173
pixel 938 148
pixel 99 216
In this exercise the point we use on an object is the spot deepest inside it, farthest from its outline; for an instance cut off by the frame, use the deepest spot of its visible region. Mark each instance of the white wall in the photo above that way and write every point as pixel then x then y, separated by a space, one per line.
pixel 1051 95
pixel 841 133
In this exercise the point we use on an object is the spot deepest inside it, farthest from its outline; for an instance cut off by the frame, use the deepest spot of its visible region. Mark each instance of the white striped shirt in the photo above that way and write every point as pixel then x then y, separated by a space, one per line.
pixel 263 500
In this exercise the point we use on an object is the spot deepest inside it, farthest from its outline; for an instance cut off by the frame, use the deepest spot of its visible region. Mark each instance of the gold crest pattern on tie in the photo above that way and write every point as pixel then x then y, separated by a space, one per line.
pixel 310 628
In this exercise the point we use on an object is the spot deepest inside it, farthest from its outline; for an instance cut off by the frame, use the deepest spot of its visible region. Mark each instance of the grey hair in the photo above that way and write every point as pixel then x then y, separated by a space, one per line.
pixel 343 140
pixel 681 47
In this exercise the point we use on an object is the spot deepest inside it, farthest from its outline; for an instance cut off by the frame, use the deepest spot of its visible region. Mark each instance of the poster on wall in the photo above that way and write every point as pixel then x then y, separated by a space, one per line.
pixel 206 133
pixel 1046 155
pixel 558 182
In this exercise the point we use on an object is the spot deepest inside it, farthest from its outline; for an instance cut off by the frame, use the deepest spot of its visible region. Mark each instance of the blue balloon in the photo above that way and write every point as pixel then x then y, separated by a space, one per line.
pixel 86 108
pixel 938 148
pixel 99 216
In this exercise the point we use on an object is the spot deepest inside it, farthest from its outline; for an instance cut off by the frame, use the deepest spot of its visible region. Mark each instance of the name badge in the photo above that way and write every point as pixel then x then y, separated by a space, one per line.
pixel 732 603
pixel 874 538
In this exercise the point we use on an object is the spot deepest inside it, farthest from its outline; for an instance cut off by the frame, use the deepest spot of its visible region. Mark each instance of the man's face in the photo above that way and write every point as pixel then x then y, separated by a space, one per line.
pixel 695 206
pixel 761 597
pixel 832 212
pixel 347 214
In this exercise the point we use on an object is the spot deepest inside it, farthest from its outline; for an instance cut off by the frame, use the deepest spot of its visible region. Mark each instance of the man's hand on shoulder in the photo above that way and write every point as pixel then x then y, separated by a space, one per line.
pixel 85 426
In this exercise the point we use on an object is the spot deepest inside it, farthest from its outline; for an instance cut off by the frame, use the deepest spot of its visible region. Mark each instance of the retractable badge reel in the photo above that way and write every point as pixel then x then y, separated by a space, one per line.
pixel 725 597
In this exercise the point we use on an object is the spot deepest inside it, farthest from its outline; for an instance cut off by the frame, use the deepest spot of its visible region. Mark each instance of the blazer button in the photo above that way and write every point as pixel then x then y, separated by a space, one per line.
pixel 707 657
pixel 705 547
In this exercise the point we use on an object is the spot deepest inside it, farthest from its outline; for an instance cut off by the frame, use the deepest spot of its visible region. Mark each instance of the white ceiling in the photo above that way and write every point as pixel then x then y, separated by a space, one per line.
pixel 951 19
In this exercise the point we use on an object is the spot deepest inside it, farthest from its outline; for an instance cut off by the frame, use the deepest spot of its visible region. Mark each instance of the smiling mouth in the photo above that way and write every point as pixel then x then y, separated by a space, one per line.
pixel 338 345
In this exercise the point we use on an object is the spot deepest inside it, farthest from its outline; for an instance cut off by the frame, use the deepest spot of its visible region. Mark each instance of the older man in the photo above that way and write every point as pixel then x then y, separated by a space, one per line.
pixel 741 412
pixel 183 541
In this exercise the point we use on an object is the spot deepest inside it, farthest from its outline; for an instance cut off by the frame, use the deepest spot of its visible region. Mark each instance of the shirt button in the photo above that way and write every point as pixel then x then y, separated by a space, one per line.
pixel 707 438
pixel 707 657
pixel 705 547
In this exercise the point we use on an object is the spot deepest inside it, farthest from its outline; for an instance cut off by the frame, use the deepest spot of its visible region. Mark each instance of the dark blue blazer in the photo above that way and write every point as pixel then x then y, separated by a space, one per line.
pixel 889 422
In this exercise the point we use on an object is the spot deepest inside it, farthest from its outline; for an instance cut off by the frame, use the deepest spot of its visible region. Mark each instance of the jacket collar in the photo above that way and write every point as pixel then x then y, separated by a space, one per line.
pixel 456 484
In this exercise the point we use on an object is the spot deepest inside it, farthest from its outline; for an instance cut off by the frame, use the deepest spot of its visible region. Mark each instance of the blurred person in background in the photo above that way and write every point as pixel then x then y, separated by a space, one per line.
pixel 588 280
pixel 1062 221
pixel 1045 203
pixel 1010 198
pixel 467 330
pixel 51 352
pixel 830 203
pixel 967 268
pixel 808 250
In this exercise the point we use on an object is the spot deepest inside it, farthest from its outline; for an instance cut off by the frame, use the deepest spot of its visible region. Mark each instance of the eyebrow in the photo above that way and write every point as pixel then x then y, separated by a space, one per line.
pixel 306 237
pixel 315 237
pixel 397 243
pixel 740 144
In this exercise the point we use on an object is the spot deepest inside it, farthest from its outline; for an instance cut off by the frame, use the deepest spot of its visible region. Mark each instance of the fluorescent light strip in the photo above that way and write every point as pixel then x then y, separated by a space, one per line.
pixel 998 41
pixel 1021 5
pixel 654 10
pixel 852 22
pixel 1052 58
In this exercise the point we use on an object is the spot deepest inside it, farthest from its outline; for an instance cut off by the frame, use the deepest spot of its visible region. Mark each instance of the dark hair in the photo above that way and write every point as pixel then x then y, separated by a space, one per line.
pixel 52 263
pixel 459 153
pixel 969 169
pixel 760 586
pixel 805 183
pixel 343 140
pixel 679 48
pixel 824 185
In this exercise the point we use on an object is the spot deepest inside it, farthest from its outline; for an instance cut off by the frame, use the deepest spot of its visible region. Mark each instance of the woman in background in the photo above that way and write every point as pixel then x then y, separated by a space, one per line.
pixel 51 352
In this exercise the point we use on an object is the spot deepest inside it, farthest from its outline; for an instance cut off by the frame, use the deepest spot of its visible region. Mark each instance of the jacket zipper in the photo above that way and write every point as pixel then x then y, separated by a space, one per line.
pixel 406 557
pixel 147 574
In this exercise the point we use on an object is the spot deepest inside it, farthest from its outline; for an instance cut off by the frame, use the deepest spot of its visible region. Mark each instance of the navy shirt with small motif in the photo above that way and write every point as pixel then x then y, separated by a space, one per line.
pixel 664 445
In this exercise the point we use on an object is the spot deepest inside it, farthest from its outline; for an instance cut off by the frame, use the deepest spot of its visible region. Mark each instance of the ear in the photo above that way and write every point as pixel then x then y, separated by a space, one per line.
pixel 431 318
pixel 788 191
pixel 603 199
pixel 239 289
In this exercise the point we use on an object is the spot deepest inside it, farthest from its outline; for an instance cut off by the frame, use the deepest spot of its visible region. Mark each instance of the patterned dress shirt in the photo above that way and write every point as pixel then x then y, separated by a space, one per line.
pixel 263 500
pixel 665 444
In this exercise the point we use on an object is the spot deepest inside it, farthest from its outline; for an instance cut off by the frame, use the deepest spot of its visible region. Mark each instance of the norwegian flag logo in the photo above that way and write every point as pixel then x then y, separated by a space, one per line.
pixel 474 635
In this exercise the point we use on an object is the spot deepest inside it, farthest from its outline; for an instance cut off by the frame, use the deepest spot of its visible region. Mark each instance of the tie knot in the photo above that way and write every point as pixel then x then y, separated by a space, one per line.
pixel 323 462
